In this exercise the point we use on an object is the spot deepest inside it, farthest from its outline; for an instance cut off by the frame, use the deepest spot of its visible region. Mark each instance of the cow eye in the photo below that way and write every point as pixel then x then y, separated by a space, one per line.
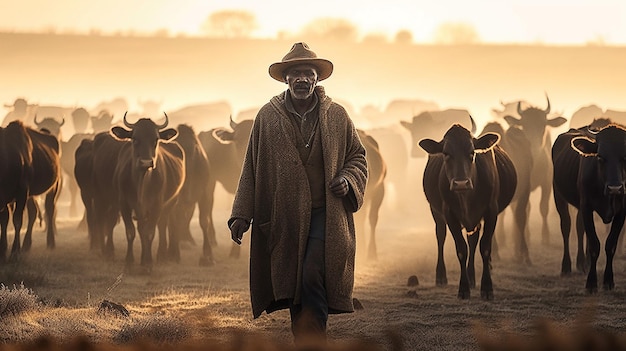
pixel 135 141
pixel 600 159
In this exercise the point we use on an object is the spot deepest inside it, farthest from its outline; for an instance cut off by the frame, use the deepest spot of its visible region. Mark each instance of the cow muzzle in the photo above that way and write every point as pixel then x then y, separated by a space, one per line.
pixel 614 189
pixel 461 185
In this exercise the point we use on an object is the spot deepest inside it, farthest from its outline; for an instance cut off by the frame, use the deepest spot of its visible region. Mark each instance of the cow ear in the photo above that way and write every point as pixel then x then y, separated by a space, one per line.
pixel 486 141
pixel 168 134
pixel 556 122
pixel 121 133
pixel 430 146
pixel 512 121
pixel 224 135
pixel 584 146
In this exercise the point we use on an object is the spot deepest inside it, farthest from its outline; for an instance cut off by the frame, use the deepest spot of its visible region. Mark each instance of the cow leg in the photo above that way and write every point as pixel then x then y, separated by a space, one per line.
pixel 610 246
pixel 440 231
pixel 50 206
pixel 562 208
pixel 520 222
pixel 130 234
pixel 375 204
pixel 173 244
pixel 594 250
pixel 203 214
pixel 461 253
pixel 33 211
pixel 582 258
pixel 73 192
pixel 146 229
pixel 4 223
pixel 472 240
pixel 543 209
pixel 486 284
pixel 359 224
pixel 18 214
pixel 210 202
pixel 162 248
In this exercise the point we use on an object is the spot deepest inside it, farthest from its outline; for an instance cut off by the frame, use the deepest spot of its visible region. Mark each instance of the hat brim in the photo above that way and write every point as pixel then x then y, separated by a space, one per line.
pixel 324 68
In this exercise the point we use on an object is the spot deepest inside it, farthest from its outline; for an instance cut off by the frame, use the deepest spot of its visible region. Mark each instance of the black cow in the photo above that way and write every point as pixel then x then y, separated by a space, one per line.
pixel 374 193
pixel 225 150
pixel 595 182
pixel 195 190
pixel 534 123
pixel 148 176
pixel 566 164
pixel 29 166
pixel 467 182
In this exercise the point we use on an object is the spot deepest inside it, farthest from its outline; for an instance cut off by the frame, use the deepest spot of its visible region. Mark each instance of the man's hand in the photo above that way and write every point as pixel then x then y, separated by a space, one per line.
pixel 339 186
pixel 237 228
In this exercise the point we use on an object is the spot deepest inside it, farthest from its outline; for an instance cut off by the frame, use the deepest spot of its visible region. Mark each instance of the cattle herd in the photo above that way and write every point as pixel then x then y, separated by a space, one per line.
pixel 152 176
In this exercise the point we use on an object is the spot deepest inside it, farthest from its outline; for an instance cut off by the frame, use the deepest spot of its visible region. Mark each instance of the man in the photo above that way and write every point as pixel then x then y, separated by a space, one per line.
pixel 303 177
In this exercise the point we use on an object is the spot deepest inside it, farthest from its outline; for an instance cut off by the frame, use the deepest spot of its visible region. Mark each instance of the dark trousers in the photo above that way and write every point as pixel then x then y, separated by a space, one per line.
pixel 309 318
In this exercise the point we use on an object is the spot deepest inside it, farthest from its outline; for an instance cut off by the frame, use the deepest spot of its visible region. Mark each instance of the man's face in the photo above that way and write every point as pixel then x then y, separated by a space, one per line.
pixel 302 80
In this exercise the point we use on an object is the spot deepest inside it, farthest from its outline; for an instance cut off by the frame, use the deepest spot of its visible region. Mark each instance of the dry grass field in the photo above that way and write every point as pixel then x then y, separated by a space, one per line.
pixel 192 305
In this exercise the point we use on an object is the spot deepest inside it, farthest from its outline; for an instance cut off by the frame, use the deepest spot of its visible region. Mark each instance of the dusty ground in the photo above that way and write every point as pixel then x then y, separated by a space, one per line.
pixel 213 301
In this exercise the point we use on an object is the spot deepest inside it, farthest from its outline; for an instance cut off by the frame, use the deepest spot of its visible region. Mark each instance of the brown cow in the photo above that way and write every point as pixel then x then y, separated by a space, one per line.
pixel 149 174
pixel 29 167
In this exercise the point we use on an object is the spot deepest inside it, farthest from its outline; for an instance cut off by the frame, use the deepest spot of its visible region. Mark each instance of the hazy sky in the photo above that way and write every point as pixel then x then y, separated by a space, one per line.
pixel 496 21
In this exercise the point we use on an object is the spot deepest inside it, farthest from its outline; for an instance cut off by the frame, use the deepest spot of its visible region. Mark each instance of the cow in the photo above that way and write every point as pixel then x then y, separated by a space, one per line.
pixel 225 150
pixel 100 123
pixel 102 190
pixel 29 167
pixel 433 124
pixel 594 181
pixel 534 123
pixel 467 181
pixel 374 193
pixel 195 190
pixel 514 142
pixel 566 163
pixel 148 176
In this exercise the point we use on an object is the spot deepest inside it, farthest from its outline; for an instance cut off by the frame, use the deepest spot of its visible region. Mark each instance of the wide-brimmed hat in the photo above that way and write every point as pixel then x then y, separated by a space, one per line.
pixel 301 54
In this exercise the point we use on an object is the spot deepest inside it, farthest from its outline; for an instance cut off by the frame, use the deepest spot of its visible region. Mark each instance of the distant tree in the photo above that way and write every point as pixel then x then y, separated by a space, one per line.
pixel 331 28
pixel 230 24
pixel 403 37
pixel 456 33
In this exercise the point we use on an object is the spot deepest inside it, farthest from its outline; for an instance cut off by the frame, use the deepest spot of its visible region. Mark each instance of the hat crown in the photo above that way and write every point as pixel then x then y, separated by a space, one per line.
pixel 299 51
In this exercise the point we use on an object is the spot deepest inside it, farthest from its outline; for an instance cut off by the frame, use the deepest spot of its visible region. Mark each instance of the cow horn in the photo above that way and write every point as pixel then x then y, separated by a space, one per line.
pixel 36 122
pixel 167 120
pixel 233 124
pixel 548 108
pixel 62 121
pixel 519 108
pixel 126 123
